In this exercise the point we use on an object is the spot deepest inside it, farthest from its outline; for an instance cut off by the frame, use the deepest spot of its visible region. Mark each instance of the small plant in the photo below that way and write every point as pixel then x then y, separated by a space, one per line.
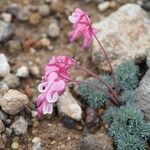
pixel 126 121
pixel 128 96
pixel 127 75
pixel 127 127
pixel 95 98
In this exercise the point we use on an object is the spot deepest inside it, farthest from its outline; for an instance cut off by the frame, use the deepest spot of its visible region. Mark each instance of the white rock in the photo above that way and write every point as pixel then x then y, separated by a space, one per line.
pixel 23 72
pixel 67 105
pixel 7 17
pixel 37 144
pixel 53 30
pixel 124 34
pixel 44 10
pixel 35 71
pixel 4 65
pixel 13 102
pixel 103 6
pixel 20 126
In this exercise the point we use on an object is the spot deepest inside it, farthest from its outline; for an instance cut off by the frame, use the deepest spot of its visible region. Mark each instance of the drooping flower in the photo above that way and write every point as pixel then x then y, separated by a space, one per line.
pixel 81 27
pixel 61 65
pixel 54 83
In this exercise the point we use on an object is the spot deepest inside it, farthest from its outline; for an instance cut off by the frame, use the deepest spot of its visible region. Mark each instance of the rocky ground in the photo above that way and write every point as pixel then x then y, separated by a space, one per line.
pixel 31 32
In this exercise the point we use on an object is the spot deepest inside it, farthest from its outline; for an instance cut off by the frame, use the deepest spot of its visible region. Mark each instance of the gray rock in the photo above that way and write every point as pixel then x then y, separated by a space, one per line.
pixel 37 144
pixel 14 46
pixel 20 126
pixel 44 10
pixel 3 116
pixel 8 132
pixel 4 65
pixel 3 88
pixel 143 94
pixel 98 141
pixel 2 126
pixel 53 30
pixel 12 80
pixel 13 102
pixel 6 31
pixel 22 72
pixel 124 34
pixel 67 105
pixel 148 59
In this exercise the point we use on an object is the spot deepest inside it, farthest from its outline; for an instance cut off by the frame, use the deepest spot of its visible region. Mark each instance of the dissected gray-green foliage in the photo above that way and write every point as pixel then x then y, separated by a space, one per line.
pixel 127 127
pixel 95 97
pixel 127 75
pixel 128 96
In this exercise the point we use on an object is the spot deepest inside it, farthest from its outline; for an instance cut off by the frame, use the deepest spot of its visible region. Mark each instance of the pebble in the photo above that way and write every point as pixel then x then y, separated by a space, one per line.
pixel 34 18
pixel 35 71
pixel 8 132
pixel 23 13
pixel 6 31
pixel 3 88
pixel 44 10
pixel 20 126
pixel 23 72
pixel 12 80
pixel 44 42
pixel 7 17
pixel 68 123
pixel 53 30
pixel 3 116
pixel 15 145
pixel 2 126
pixel 4 65
pixel 13 102
pixel 67 105
pixel 34 114
pixel 37 144
pixel 14 46
pixel 103 6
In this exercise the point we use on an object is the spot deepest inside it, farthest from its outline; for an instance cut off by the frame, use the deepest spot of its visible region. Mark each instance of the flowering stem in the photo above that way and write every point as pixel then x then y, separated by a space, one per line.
pixel 113 100
pixel 106 55
pixel 109 62
pixel 100 79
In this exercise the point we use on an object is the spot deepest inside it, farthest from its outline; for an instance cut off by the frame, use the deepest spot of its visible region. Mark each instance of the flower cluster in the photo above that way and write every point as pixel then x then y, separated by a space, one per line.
pixel 81 27
pixel 54 82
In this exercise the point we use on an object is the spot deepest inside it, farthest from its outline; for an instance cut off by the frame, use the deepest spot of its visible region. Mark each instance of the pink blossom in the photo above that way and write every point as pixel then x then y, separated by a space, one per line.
pixel 54 83
pixel 61 65
pixel 81 27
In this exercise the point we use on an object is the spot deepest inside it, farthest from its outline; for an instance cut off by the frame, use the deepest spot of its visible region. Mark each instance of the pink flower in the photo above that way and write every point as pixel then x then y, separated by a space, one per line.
pixel 61 65
pixel 81 27
pixel 54 83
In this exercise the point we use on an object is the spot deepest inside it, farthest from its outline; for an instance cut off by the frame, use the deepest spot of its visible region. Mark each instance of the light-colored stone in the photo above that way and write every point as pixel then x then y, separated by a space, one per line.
pixel 3 116
pixel 35 71
pixel 15 145
pixel 37 144
pixel 124 34
pixel 20 126
pixel 6 31
pixel 13 102
pixel 67 105
pixel 7 17
pixel 23 72
pixel 44 10
pixel 12 80
pixel 143 94
pixel 3 88
pixel 4 65
pixel 53 30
